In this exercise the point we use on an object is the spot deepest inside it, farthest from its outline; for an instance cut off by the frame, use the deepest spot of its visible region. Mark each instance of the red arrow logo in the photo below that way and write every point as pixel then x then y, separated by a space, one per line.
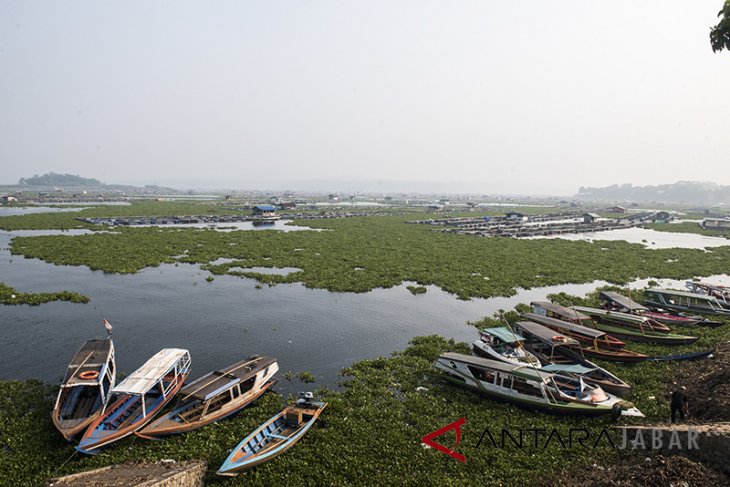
pixel 456 425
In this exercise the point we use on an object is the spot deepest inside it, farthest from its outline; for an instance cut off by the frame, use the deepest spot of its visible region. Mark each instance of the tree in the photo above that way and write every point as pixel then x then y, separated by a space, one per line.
pixel 720 34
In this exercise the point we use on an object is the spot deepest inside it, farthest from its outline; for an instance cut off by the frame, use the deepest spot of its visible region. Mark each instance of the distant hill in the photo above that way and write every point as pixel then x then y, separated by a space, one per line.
pixel 54 179
pixel 682 192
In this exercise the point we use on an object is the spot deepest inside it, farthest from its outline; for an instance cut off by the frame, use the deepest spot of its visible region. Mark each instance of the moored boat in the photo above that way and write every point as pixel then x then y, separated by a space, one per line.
pixel 86 387
pixel 215 396
pixel 631 327
pixel 594 343
pixel 562 354
pixel 721 293
pixel 138 398
pixel 618 302
pixel 685 301
pixel 275 436
pixel 530 388
pixel 563 313
pixel 503 344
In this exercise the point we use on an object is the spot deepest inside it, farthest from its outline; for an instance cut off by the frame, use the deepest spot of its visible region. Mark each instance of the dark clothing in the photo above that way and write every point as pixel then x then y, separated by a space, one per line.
pixel 674 413
pixel 679 399
pixel 679 404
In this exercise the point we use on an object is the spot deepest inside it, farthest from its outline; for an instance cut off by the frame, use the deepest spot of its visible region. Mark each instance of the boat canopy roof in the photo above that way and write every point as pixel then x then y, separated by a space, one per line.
pixel 144 378
pixel 566 325
pixel 617 314
pixel 522 370
pixel 684 294
pixel 91 357
pixel 504 334
pixel 623 301
pixel 545 334
pixel 568 368
pixel 560 310
pixel 219 381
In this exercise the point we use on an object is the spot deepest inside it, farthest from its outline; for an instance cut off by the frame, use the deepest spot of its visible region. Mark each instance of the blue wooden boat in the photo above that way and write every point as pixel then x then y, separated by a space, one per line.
pixel 137 399
pixel 275 436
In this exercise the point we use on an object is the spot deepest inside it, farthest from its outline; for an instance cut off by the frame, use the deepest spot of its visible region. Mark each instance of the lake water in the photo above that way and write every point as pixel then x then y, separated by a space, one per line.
pixel 651 239
pixel 27 210
pixel 226 320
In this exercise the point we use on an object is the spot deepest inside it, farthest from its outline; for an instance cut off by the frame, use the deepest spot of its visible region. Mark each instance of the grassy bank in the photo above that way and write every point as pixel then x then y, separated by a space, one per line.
pixel 361 254
pixel 687 227
pixel 10 296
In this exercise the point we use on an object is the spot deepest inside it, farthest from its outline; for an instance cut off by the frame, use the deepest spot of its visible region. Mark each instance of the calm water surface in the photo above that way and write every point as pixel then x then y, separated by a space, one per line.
pixel 225 320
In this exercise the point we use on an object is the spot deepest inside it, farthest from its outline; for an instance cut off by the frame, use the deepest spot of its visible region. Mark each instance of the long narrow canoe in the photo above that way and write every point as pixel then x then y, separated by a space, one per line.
pixel 631 327
pixel 216 396
pixel 86 388
pixel 685 301
pixel 563 313
pixel 618 302
pixel 274 437
pixel 598 346
pixel 137 399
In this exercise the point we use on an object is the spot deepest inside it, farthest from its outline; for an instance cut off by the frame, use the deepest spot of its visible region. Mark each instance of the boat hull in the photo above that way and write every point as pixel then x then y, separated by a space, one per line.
pixel 237 463
pixel 167 425
pixel 91 445
pixel 646 337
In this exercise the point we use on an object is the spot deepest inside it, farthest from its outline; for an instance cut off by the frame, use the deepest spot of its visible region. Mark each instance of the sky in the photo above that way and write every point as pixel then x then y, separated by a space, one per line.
pixel 488 96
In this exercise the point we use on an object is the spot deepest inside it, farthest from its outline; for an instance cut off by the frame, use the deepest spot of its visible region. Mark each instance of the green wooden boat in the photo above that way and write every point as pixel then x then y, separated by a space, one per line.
pixel 631 327
pixel 530 388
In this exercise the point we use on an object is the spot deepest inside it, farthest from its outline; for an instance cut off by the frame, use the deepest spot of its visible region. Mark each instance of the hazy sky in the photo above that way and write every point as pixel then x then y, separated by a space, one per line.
pixel 517 96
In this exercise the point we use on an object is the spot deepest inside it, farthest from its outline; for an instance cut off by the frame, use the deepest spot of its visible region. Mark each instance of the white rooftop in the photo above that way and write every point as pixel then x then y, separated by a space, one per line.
pixel 144 378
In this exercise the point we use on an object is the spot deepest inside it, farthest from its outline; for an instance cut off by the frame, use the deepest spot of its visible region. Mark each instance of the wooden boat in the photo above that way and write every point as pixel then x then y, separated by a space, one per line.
pixel 618 302
pixel 632 327
pixel 557 354
pixel 685 301
pixel 86 387
pixel 594 343
pixel 215 396
pixel 503 344
pixel 530 388
pixel 563 313
pixel 721 293
pixel 275 436
pixel 138 398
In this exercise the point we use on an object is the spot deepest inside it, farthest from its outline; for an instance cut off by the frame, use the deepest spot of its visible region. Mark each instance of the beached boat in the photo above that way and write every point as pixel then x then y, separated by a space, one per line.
pixel 721 293
pixel 138 398
pixel 215 396
pixel 275 436
pixel 561 354
pixel 631 327
pixel 530 388
pixel 594 343
pixel 86 388
pixel 503 344
pixel 563 313
pixel 618 302
pixel 685 301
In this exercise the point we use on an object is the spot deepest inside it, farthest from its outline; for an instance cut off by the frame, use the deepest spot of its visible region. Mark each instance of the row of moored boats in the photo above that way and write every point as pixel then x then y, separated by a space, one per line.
pixel 540 362
pixel 90 404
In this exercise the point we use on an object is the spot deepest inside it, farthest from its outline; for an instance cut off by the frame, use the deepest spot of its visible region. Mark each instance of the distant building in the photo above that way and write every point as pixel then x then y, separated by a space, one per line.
pixel 333 197
pixel 716 223
pixel 514 215
pixel 617 209
pixel 286 205
pixel 662 217
pixel 264 210
pixel 8 199
pixel 435 207
pixel 590 217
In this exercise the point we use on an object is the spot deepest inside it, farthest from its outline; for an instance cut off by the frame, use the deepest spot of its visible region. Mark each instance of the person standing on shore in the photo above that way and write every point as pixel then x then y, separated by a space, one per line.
pixel 680 404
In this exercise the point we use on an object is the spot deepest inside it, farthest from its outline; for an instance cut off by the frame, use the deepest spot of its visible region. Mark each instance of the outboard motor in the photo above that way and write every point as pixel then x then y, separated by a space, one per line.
pixel 305 397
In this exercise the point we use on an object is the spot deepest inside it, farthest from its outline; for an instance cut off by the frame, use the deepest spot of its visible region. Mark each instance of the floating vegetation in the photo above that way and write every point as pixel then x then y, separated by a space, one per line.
pixel 8 295
pixel 306 376
pixel 387 249
pixel 210 278
pixel 417 289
